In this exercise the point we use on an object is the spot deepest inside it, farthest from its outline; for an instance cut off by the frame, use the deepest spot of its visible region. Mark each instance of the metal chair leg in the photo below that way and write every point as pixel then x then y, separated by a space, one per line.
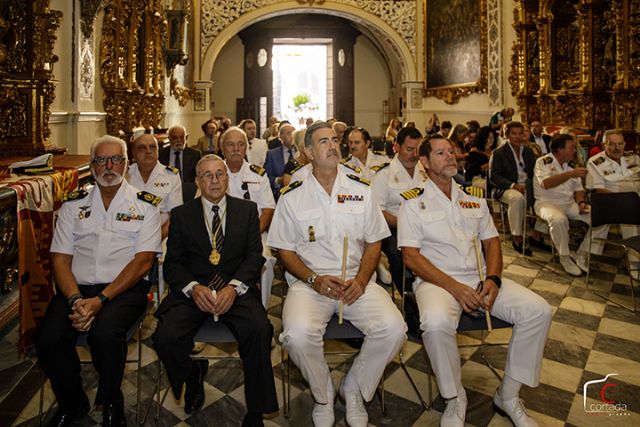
pixel 413 384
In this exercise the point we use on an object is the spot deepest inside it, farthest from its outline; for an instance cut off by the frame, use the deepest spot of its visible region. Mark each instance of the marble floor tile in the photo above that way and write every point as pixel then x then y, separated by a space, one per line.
pixel 620 329
pixel 618 346
pixel 569 354
pixel 399 384
pixel 582 306
pixel 478 377
pixel 571 334
pixel 604 363
pixel 549 286
pixel 548 400
pixel 574 318
pixel 560 375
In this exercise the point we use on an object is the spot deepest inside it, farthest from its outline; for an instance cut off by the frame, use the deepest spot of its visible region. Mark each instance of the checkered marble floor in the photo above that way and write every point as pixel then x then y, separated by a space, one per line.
pixel 589 338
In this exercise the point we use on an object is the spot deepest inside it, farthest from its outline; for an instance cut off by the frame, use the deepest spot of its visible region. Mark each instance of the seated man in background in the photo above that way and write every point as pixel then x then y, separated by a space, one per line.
pixel 214 245
pixel 105 241
pixel 560 197
pixel 437 227
pixel 617 171
pixel 148 174
pixel 257 148
pixel 311 221
pixel 182 158
pixel 278 157
pixel 539 141
pixel 360 154
pixel 208 143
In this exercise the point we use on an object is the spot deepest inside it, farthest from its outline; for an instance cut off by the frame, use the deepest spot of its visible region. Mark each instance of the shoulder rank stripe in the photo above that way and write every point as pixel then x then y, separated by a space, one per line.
pixel 75 195
pixel 290 187
pixel 598 161
pixel 360 180
pixel 346 159
pixel 149 198
pixel 547 160
pixel 380 152
pixel 378 168
pixel 356 169
pixel 628 153
pixel 296 169
pixel 257 169
pixel 172 169
pixel 474 191
pixel 413 193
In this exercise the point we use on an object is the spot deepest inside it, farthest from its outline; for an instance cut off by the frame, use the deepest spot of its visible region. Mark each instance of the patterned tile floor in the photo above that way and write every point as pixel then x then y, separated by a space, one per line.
pixel 589 338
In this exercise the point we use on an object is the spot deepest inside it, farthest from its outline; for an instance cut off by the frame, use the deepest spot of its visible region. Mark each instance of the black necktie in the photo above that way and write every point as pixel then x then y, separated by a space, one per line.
pixel 216 229
pixel 290 155
pixel 177 163
pixel 210 143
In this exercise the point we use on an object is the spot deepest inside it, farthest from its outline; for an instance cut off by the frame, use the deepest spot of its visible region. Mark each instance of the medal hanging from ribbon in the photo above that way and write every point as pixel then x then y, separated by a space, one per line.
pixel 217 236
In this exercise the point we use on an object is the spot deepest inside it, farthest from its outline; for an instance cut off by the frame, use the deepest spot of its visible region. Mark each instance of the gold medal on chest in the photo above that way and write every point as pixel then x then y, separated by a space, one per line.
pixel 214 257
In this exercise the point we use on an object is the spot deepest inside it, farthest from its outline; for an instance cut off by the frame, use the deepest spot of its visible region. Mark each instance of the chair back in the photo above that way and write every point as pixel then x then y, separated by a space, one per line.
pixel 615 208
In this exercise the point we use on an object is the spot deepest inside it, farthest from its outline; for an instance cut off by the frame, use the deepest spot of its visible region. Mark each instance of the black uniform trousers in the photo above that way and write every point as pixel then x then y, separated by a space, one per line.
pixel 179 319
pixel 107 339
pixel 396 265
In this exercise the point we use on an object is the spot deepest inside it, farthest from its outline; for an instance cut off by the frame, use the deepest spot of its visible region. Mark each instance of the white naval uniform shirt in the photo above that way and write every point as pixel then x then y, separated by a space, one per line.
pixel 257 151
pixel 302 173
pixel 103 242
pixel 394 179
pixel 162 182
pixel 257 186
pixel 313 224
pixel 372 160
pixel 613 176
pixel 546 167
pixel 444 229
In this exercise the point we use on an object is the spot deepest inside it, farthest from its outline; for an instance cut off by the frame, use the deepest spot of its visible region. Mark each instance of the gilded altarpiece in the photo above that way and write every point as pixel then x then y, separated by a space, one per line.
pixel 577 62
pixel 132 65
pixel 27 35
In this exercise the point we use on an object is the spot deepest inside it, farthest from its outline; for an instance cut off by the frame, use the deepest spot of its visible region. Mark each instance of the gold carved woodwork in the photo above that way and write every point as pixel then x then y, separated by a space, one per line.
pixel 452 94
pixel 132 63
pixel 577 62
pixel 27 37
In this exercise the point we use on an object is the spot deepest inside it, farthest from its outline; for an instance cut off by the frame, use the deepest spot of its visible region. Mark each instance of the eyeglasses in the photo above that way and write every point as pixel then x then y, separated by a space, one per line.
pixel 208 175
pixel 102 160
pixel 245 187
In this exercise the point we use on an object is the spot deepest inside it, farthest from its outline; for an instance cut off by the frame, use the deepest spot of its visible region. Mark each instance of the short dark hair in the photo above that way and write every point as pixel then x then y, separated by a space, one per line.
pixel 480 142
pixel 363 131
pixel 512 125
pixel 407 132
pixel 559 141
pixel 446 125
pixel 425 145
pixel 245 122
pixel 311 130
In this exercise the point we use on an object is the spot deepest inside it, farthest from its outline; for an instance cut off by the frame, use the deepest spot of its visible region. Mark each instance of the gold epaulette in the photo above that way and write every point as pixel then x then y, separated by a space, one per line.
pixel 378 168
pixel 628 153
pixel 380 152
pixel 290 187
pixel 149 198
pixel 360 180
pixel 346 159
pixel 412 194
pixel 356 169
pixel 598 161
pixel 296 169
pixel 75 195
pixel 257 169
pixel 474 191
pixel 172 169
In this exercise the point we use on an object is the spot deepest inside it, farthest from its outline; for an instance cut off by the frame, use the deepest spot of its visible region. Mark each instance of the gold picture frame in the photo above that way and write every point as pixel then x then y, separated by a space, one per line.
pixel 199 100
pixel 455 33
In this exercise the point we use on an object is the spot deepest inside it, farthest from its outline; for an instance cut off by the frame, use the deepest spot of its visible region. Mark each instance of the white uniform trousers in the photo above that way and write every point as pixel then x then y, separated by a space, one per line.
pixel 304 320
pixel 557 215
pixel 439 316
pixel 267 275
pixel 515 211
pixel 626 231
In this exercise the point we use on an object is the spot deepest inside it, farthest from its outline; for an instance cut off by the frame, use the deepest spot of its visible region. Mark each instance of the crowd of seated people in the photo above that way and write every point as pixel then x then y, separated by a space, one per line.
pixel 299 193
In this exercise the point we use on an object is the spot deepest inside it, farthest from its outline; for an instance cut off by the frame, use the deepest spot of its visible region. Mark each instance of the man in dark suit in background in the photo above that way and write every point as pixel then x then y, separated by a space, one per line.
pixel 540 141
pixel 182 158
pixel 510 171
pixel 278 157
pixel 214 243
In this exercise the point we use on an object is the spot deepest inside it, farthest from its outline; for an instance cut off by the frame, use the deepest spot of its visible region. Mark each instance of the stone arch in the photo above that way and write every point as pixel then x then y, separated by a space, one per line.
pixel 395 47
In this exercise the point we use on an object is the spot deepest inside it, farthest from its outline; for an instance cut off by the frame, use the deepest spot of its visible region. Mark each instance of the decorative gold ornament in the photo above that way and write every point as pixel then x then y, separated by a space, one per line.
pixel 214 257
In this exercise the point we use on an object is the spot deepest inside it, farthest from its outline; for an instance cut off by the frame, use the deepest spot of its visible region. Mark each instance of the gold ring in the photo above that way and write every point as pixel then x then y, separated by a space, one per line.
pixel 328 289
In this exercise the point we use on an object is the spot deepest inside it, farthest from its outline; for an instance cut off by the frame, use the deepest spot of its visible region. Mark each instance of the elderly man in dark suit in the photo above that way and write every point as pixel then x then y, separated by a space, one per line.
pixel 182 158
pixel 278 157
pixel 540 141
pixel 213 262
pixel 510 171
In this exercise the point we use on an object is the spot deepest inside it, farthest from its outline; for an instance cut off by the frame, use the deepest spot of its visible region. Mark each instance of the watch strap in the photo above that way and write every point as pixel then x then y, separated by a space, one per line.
pixel 103 299
pixel 495 279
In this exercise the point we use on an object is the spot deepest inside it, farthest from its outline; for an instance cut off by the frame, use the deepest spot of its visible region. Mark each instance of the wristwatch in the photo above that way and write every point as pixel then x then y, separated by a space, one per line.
pixel 103 299
pixel 495 279
pixel 73 299
pixel 311 279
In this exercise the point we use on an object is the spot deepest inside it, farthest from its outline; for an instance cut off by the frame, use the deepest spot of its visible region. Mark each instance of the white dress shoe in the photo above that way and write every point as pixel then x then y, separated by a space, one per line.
pixel 514 409
pixel 581 261
pixel 569 266
pixel 455 413
pixel 322 415
pixel 356 413
pixel 383 274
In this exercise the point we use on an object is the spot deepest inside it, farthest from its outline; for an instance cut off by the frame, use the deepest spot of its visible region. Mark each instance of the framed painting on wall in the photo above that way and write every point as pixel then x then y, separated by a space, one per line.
pixel 455 48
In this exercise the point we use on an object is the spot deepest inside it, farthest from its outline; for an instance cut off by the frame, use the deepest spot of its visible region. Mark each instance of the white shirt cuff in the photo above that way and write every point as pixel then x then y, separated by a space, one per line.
pixel 241 288
pixel 187 289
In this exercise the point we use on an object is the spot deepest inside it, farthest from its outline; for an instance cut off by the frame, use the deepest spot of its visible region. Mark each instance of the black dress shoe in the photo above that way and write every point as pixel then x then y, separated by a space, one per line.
pixel 518 248
pixel 194 393
pixel 253 419
pixel 540 244
pixel 113 415
pixel 63 418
